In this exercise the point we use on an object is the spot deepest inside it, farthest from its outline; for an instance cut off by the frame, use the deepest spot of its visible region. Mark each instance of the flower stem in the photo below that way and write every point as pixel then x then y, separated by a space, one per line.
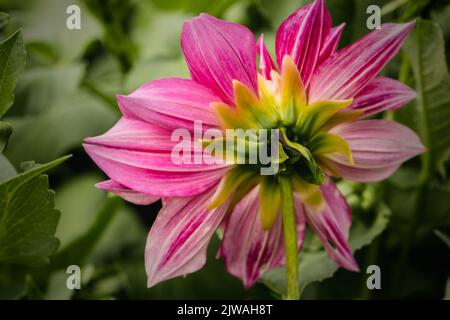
pixel 290 237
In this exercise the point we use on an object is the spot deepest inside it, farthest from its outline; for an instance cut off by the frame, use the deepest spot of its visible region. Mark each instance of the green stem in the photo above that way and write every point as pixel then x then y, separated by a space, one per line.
pixel 110 101
pixel 405 68
pixel 290 238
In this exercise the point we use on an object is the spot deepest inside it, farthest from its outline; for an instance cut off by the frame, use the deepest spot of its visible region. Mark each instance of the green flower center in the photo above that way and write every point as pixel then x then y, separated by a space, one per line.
pixel 303 139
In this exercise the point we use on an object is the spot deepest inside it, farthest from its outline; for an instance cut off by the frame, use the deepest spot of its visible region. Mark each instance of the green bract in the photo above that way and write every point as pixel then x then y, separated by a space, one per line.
pixel 302 130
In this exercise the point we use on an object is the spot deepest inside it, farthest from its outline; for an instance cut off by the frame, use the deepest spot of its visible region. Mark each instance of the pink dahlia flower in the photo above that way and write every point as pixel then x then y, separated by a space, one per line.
pixel 316 96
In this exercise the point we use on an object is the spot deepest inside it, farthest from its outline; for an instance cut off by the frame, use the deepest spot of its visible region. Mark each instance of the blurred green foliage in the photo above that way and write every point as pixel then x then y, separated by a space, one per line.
pixel 67 92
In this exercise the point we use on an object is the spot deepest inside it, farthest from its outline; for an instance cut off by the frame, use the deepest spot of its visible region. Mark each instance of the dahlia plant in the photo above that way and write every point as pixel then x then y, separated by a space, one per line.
pixel 317 98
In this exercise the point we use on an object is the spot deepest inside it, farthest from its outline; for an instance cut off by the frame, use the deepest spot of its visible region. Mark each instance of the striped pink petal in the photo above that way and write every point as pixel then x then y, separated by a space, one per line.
pixel 247 249
pixel 266 63
pixel 331 43
pixel 138 155
pixel 347 72
pixel 135 135
pixel 332 224
pixel 218 52
pixel 179 237
pixel 382 94
pixel 126 193
pixel 302 36
pixel 171 103
pixel 378 147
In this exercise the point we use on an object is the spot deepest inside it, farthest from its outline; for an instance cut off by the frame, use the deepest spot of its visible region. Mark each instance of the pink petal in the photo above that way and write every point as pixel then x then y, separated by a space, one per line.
pixel 178 240
pixel 135 135
pixel 347 72
pixel 302 36
pixel 359 174
pixel 156 161
pixel 126 193
pixel 247 249
pixel 378 147
pixel 156 182
pixel 146 146
pixel 138 155
pixel 332 224
pixel 266 63
pixel 382 94
pixel 218 52
pixel 171 103
pixel 331 43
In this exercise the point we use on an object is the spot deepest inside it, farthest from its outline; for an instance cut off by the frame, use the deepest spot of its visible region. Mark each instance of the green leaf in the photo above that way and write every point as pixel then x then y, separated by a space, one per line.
pixel 13 284
pixel 6 169
pixel 115 18
pixel 215 8
pixel 414 8
pixel 64 126
pixel 80 200
pixel 317 266
pixel 162 27
pixel 4 19
pixel 12 62
pixel 28 217
pixel 151 69
pixel 5 133
pixel 22 178
pixel 392 6
pixel 44 21
pixel 104 80
pixel 447 290
pixel 277 11
pixel 41 87
pixel 79 250
pixel 445 238
pixel 28 223
pixel 425 49
pixel 402 201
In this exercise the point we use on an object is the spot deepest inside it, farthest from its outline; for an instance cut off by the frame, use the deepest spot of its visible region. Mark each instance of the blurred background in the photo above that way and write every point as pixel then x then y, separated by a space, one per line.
pixel 67 92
